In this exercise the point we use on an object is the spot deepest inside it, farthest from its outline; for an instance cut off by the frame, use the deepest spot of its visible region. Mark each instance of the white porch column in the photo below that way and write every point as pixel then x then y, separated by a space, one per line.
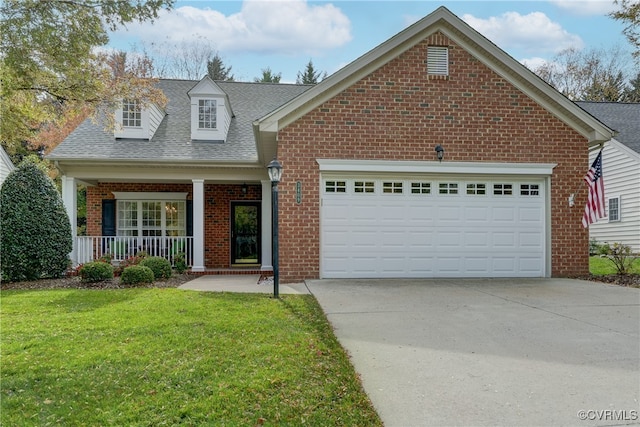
pixel 198 225
pixel 70 201
pixel 267 259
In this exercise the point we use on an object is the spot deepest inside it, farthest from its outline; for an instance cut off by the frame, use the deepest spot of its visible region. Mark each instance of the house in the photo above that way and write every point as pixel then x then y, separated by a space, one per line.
pixel 6 165
pixel 621 171
pixel 435 154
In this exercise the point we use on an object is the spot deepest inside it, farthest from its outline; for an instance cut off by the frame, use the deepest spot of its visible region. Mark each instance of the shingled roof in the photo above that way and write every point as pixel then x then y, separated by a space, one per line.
pixel 172 140
pixel 621 117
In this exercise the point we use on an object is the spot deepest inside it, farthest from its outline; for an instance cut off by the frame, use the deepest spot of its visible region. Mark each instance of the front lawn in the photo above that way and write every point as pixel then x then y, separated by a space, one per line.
pixel 600 266
pixel 165 357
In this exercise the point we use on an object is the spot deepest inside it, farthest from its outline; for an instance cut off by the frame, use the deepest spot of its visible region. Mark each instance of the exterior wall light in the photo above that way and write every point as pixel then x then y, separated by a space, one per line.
pixel 439 152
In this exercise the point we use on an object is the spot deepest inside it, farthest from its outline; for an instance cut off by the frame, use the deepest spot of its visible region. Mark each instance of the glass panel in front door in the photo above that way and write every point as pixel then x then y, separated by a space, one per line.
pixel 245 234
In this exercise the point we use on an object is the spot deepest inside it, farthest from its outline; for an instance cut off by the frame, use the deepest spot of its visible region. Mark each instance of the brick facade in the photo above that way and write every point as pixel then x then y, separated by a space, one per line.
pixel 399 113
pixel 217 213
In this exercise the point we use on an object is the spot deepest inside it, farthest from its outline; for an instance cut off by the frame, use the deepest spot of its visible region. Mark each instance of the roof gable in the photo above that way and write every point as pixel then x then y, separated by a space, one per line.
pixel 206 87
pixel 452 27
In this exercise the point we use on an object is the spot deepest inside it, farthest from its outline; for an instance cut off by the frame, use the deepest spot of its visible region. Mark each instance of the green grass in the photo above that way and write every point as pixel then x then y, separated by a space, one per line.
pixel 602 266
pixel 152 357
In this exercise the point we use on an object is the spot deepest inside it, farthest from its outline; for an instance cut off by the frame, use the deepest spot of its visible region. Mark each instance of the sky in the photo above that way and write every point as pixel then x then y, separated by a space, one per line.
pixel 284 35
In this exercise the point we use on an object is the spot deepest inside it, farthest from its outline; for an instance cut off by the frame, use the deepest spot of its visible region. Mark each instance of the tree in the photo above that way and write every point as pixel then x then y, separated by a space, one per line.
pixel 629 13
pixel 188 59
pixel 310 76
pixel 632 92
pixel 36 234
pixel 592 75
pixel 268 76
pixel 217 71
pixel 49 65
pixel 605 88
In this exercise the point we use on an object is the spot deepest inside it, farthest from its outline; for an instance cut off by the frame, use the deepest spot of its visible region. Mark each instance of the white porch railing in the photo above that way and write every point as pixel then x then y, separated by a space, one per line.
pixel 92 248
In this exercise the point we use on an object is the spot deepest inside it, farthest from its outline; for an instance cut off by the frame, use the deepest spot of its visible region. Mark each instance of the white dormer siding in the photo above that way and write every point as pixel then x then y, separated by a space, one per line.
pixel 135 122
pixel 210 111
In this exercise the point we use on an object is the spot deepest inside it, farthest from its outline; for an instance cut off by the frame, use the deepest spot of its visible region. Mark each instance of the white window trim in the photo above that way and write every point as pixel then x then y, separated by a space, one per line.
pixel 158 196
pixel 130 195
pixel 137 109
pixel 215 114
pixel 619 199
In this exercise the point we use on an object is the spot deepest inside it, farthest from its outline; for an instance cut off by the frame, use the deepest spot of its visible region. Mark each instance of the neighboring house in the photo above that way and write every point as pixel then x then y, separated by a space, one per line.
pixel 621 173
pixel 363 193
pixel 6 165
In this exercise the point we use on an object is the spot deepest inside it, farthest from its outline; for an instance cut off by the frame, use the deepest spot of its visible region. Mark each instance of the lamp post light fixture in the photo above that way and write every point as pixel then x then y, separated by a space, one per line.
pixel 439 152
pixel 275 173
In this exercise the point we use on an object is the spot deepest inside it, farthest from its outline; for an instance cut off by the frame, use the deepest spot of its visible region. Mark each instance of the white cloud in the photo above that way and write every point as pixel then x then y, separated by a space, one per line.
pixel 531 33
pixel 281 27
pixel 534 63
pixel 586 7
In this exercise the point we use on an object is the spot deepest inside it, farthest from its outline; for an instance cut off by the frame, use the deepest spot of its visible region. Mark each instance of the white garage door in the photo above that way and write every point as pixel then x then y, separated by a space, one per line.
pixel 441 227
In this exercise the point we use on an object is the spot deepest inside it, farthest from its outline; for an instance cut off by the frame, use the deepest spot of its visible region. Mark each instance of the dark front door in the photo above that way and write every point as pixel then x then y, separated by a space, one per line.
pixel 245 232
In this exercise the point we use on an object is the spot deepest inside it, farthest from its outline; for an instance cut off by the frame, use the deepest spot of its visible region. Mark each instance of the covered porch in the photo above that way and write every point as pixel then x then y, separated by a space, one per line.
pixel 204 232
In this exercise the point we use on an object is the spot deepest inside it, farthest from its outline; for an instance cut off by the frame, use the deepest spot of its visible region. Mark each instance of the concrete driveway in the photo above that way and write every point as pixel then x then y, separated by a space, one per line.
pixel 527 352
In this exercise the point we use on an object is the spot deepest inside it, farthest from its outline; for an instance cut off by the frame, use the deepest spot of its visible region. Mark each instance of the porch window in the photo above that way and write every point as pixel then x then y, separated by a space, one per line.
pixel 151 218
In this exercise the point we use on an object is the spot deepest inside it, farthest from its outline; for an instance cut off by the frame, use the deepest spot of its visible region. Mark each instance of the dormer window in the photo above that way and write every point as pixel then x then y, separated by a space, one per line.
pixel 135 122
pixel 210 112
pixel 131 114
pixel 207 114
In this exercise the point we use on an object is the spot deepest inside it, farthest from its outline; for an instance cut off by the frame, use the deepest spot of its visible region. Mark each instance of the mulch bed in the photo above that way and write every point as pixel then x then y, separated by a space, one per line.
pixel 628 280
pixel 74 282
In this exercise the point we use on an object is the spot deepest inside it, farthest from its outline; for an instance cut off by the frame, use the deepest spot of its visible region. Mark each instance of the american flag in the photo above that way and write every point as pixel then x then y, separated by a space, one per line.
pixel 594 208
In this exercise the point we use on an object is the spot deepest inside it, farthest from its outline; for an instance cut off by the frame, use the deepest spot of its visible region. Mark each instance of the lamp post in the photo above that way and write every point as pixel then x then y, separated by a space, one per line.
pixel 275 173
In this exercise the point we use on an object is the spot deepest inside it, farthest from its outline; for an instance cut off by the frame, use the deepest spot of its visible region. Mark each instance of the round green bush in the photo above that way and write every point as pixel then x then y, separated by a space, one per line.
pixel 136 274
pixel 97 271
pixel 36 240
pixel 160 266
pixel 180 263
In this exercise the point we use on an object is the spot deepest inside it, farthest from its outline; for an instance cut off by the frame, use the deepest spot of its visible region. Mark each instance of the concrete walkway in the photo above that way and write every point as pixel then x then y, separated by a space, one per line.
pixel 242 283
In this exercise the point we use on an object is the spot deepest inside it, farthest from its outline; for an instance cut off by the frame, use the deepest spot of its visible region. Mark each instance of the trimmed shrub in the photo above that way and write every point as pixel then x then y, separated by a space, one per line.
pixel 132 260
pixel 180 263
pixel 136 274
pixel 35 238
pixel 160 266
pixel 96 271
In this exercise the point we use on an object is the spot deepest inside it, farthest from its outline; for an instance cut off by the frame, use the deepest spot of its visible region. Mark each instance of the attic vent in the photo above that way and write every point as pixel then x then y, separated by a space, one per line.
pixel 438 60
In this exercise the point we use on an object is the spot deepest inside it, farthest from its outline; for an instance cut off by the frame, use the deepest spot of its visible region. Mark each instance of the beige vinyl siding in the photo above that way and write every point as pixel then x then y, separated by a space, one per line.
pixel 621 171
